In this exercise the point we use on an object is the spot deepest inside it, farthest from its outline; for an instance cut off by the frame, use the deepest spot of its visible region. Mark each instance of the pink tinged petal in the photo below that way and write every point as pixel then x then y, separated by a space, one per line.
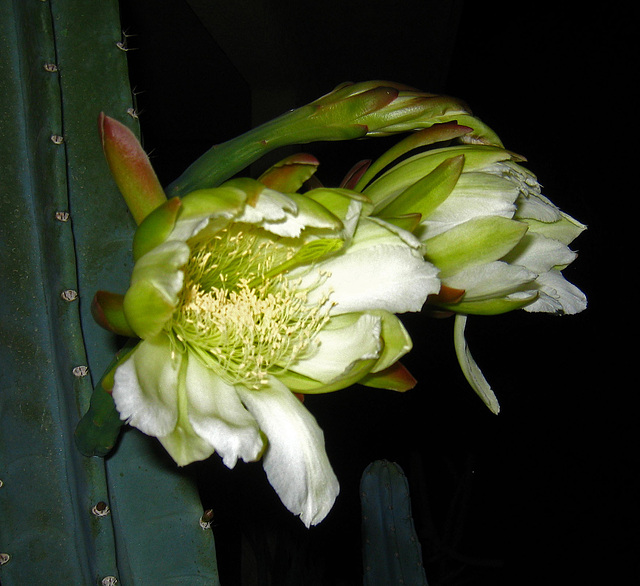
pixel 107 310
pixel 289 175
pixel 394 378
pixel 295 461
pixel 130 168
pixel 145 388
pixel 217 415
pixel 345 341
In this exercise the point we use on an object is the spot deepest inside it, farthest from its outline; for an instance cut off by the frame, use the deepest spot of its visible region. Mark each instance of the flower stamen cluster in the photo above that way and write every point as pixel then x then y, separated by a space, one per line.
pixel 236 316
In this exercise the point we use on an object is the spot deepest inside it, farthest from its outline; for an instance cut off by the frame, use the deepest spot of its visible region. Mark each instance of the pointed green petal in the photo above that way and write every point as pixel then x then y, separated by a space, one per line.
pixel 130 168
pixel 156 227
pixel 107 310
pixel 424 137
pixel 428 193
pixel 155 284
pixel 394 378
pixel 480 240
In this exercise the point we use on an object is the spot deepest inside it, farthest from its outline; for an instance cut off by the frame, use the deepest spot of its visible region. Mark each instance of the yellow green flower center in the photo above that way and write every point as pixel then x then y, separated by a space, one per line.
pixel 238 313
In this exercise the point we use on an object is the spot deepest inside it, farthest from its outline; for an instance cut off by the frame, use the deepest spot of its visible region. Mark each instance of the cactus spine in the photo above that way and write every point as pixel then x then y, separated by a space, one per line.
pixel 68 519
pixel 391 551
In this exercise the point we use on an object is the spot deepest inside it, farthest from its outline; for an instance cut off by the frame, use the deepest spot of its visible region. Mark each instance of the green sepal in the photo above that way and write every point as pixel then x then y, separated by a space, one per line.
pixel 394 378
pixel 155 286
pixel 395 337
pixel 97 431
pixel 226 201
pixel 107 310
pixel 337 200
pixel 288 175
pixel 408 222
pixel 479 240
pixel 393 182
pixel 305 385
pixel 425 137
pixel 428 193
pixel 156 227
pixel 489 306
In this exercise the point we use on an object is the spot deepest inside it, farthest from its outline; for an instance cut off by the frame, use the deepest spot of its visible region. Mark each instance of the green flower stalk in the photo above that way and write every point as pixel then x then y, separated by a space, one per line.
pixel 350 111
pixel 498 243
pixel 244 297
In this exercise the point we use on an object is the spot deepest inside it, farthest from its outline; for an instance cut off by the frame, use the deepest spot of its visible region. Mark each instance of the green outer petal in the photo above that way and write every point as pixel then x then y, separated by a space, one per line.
pixel 107 310
pixel 426 136
pixel 156 227
pixel 396 180
pixel 296 461
pixel 288 175
pixel 395 378
pixel 426 194
pixel 491 306
pixel 155 284
pixel 471 371
pixel 480 240
pixel 396 340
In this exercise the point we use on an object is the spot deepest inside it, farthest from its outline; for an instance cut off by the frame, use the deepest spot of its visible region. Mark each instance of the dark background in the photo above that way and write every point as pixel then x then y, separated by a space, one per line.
pixel 544 493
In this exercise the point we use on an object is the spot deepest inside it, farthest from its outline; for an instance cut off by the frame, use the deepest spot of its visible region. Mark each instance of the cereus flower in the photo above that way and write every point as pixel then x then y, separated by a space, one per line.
pixel 498 243
pixel 243 297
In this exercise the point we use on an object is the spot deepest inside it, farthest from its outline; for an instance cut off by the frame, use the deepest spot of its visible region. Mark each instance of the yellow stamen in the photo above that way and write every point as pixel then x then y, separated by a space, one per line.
pixel 237 314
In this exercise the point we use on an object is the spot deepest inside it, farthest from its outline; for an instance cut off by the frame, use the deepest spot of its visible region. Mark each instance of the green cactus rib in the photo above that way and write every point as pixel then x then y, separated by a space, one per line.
pixel 66 518
pixel 391 551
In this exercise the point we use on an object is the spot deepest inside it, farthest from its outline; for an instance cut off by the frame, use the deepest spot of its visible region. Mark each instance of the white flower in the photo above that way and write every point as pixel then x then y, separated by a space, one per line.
pixel 243 296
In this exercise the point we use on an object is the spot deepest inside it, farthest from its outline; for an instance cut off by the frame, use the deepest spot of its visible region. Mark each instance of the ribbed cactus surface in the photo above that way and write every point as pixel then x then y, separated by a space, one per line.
pixel 132 518
pixel 391 551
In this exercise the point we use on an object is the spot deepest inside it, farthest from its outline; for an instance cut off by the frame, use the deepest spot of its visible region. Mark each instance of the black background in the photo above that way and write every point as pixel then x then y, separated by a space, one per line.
pixel 546 492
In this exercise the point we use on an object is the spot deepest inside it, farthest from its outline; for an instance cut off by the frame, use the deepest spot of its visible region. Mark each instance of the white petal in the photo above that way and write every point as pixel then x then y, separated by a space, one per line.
pixel 378 271
pixel 295 461
pixel 145 390
pixel 540 254
pixel 344 341
pixel 471 370
pixel 490 280
pixel 557 295
pixel 217 415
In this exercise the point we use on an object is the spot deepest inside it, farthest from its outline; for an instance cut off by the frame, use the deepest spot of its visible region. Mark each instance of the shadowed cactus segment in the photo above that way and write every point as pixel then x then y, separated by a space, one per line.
pixel 391 551
pixel 66 518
